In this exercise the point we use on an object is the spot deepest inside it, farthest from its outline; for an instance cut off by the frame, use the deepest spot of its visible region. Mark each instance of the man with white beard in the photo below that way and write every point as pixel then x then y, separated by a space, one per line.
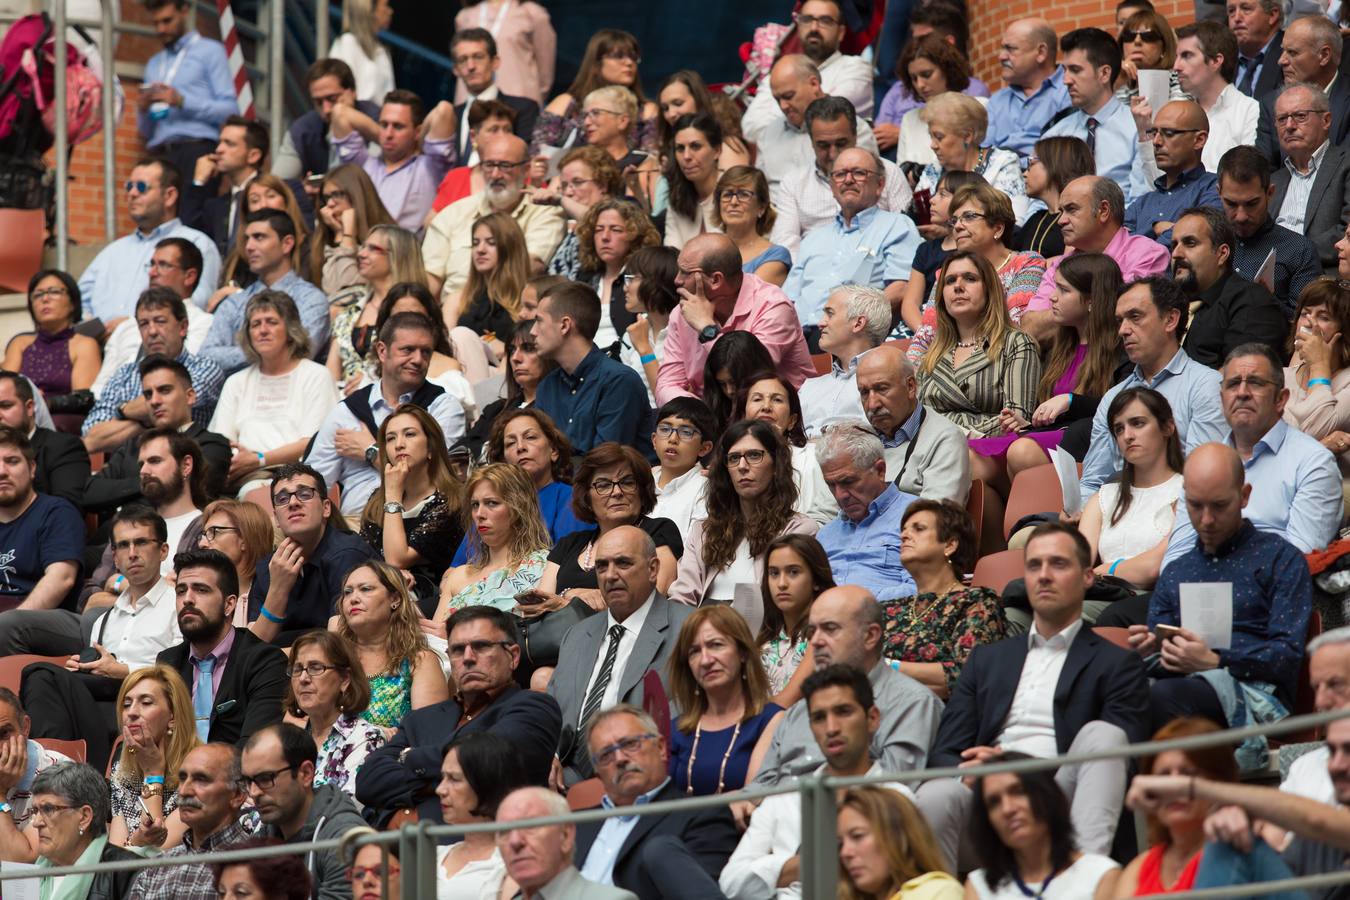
pixel 448 245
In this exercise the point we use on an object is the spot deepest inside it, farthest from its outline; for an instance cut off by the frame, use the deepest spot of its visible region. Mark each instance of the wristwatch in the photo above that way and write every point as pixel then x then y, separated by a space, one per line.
pixel 708 333
pixel 372 454
pixel 394 509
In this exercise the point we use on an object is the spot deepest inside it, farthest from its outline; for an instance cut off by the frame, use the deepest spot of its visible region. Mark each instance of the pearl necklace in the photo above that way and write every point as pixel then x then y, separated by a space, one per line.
pixel 722 770
pixel 970 345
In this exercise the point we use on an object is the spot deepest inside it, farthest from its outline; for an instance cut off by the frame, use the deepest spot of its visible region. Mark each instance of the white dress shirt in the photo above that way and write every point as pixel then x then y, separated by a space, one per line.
pixel 632 627
pixel 135 631
pixel 830 397
pixel 1030 727
pixel 1294 210
pixel 784 149
pixel 683 500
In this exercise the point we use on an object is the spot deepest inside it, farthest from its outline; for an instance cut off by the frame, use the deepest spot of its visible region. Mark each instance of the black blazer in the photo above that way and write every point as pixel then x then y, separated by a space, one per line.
pixel 1328 208
pixel 112 885
pixel 251 690
pixel 529 721
pixel 62 465
pixel 527 111
pixel 119 481
pixel 1272 76
pixel 1268 143
pixel 1099 682
pixel 710 835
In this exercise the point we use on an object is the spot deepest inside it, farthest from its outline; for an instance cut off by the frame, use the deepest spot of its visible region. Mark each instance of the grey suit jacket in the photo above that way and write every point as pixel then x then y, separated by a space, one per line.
pixel 569 885
pixel 1328 203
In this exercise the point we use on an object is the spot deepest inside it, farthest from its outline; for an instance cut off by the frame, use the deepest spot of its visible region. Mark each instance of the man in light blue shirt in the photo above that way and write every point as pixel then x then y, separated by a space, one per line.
pixel 863 542
pixel 1152 315
pixel 1296 485
pixel 1091 66
pixel 119 273
pixel 1035 90
pixel 344 450
pixel 269 247
pixel 863 245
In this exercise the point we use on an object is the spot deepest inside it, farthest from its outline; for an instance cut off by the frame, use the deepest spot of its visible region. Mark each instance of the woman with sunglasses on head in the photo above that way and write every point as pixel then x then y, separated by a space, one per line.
pixel 348 207
pixel 649 294
pixel 741 208
pixel 796 572
pixel 244 533
pixel 750 499
pixel 326 694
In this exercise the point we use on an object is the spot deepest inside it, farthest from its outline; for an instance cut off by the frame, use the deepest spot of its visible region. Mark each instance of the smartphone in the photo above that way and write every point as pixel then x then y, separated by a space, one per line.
pixel 88 655
pixel 529 597
pixel 1166 631
pixel 316 180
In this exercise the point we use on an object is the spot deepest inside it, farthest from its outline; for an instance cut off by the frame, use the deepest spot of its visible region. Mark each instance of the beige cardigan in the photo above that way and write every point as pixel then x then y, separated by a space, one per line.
pixel 694 578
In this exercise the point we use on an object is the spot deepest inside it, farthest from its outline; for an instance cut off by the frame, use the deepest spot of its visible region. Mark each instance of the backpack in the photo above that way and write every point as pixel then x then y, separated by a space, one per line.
pixel 28 67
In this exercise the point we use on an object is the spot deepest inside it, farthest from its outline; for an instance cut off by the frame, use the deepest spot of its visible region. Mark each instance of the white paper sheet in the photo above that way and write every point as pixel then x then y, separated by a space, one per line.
pixel 1066 467
pixel 1154 86
pixel 21 888
pixel 1266 274
pixel 1207 610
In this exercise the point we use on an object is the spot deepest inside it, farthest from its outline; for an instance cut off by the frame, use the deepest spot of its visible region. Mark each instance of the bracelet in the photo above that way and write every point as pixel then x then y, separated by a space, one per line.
pixel 262 458
pixel 275 620
pixel 1312 381
pixel 153 779
pixel 651 358
pixel 1112 570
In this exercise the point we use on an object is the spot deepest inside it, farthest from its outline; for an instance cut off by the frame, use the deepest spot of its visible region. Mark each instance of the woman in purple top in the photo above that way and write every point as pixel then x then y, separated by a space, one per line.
pixel 55 358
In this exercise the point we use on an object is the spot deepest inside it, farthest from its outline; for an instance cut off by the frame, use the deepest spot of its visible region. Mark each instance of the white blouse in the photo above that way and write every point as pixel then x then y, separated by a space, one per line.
pixel 1074 883
pixel 814 499
pixel 1147 521
pixel 478 880
pixel 374 75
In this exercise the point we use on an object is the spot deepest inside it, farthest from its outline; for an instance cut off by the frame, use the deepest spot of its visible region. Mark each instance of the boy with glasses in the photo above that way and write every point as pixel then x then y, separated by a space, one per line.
pixel 682 440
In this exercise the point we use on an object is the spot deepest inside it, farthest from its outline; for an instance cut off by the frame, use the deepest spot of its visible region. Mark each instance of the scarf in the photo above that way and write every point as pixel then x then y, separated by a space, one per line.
pixel 72 887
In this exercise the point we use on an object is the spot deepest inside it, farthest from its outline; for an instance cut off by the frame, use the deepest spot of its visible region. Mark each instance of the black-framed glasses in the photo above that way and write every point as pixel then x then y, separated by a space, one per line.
pixel 313 670
pixel 456 651
pixel 304 494
pixel 823 21
pixel 264 781
pixel 1298 116
pixel 740 195
pixel 753 457
pixel 604 487
pixel 497 165
pixel 138 543
pixel 1252 382
pixel 212 533
pixel 328 197
pixel 965 218
pixel 686 432
pixel 1147 35
pixel 628 746
pixel 1169 133
pixel 44 293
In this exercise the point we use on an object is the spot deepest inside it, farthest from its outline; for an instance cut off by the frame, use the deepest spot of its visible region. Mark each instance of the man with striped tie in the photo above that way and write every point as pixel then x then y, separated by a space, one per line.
pixel 603 659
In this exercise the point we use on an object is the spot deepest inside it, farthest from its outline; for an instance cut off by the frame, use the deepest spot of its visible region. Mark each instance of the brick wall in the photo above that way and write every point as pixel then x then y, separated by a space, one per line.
pixel 988 18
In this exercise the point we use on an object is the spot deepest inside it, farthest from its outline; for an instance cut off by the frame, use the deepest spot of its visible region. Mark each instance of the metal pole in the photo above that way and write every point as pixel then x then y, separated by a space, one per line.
pixel 276 74
pixel 424 864
pixel 62 139
pixel 820 852
pixel 322 39
pixel 107 37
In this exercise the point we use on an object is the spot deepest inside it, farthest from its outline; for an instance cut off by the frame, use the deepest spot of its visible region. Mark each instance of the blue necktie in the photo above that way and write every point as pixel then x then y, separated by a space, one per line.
pixel 203 697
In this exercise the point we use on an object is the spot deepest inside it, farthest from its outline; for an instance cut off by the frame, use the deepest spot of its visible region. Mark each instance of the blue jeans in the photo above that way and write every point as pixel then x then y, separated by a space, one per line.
pixel 1224 866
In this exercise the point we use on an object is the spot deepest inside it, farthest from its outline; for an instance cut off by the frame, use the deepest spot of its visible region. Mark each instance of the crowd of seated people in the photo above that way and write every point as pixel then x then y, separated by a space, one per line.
pixel 583 444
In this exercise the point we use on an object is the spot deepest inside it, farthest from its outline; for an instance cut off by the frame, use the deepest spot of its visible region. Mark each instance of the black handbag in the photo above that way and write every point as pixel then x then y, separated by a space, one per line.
pixel 541 637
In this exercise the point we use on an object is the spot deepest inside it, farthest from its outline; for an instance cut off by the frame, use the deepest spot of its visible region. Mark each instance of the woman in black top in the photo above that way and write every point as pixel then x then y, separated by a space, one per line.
pixel 499 267
pixel 613 487
pixel 1054 162
pixel 525 368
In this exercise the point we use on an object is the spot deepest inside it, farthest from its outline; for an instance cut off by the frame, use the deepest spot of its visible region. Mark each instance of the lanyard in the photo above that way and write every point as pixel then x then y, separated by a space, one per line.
pixel 178 59
pixel 913 442
pixel 496 26
pixel 1039 892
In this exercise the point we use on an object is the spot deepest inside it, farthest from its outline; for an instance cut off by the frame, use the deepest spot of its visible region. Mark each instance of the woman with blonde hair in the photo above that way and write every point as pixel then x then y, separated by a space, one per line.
pixel 390 255
pixel 499 267
pixel 359 47
pixel 607 237
pixel 265 191
pixel 245 534
pixel 956 129
pixel 741 208
pixel 726 723
pixel 413 519
pixel 158 728
pixel 347 207
pixel 377 616
pixel 507 543
pixel 887 851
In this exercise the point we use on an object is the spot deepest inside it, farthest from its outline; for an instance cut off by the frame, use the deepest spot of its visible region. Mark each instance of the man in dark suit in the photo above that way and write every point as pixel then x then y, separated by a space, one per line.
pixel 1312 188
pixel 1258 26
pixel 484 649
pixel 1311 55
pixel 474 52
pixel 632 762
pixel 61 466
pixel 239 157
pixel 306 149
pixel 1059 689
pixel 603 659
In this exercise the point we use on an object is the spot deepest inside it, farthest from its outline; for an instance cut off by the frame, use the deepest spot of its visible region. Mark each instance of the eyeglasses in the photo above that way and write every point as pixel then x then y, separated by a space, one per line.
pixel 313 670
pixel 375 248
pixel 822 21
pixel 497 165
pixel 212 533
pixel 49 292
pixel 456 651
pixel 965 218
pixel 138 187
pixel 595 113
pixel 1147 35
pixel 1027 162
pixel 264 781
pixel 740 195
pixel 138 543
pixel 628 745
pixel 1299 116
pixel 575 184
pixel 325 199
pixel 686 432
pixel 753 457
pixel 47 809
pixel 840 176
pixel 617 55
pixel 161 265
pixel 604 487
pixel 361 873
pixel 1169 133
pixel 1252 382
pixel 303 494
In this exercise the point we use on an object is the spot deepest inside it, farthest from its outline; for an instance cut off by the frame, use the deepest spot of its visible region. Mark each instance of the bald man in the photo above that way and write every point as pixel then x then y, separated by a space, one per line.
pixel 845 626
pixel 603 659
pixel 1177 140
pixel 1035 90
pixel 447 248
pixel 1262 578
pixel 1310 54
pixel 717 297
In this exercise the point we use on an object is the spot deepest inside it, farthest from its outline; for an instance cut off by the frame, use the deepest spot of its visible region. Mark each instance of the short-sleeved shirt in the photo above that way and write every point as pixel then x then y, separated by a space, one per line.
pixel 567 552
pixel 49 531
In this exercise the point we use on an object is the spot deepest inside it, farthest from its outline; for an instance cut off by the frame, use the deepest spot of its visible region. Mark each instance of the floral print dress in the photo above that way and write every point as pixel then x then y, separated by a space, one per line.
pixel 933 629
pixel 348 744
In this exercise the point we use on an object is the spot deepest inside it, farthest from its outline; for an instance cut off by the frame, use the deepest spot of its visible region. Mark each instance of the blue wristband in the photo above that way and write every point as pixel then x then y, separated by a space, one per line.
pixel 1312 381
pixel 651 357
pixel 1112 570
pixel 153 779
pixel 275 620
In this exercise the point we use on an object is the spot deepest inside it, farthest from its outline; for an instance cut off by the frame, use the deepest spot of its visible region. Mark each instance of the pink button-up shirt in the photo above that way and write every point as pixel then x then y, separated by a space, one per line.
pixel 1137 256
pixel 761 309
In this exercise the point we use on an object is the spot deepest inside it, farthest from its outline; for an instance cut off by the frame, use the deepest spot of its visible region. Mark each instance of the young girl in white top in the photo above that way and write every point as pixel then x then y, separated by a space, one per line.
pixel 359 48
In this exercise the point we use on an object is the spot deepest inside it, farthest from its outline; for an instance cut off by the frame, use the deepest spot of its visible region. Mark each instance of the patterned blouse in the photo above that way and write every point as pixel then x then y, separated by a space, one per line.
pixel 126 799
pixel 1000 168
pixel 1020 274
pixel 348 744
pixel 433 529
pixel 973 394
pixel 566 259
pixel 499 587
pixel 344 329
pixel 552 130
pixel 946 630
pixel 781 659
pixel 390 698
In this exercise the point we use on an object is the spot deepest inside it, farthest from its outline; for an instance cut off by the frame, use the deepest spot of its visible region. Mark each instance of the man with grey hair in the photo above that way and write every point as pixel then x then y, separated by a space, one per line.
pixel 864 244
pixel 863 541
pixel 676 855
pixel 210 797
pixel 1035 90
pixel 1311 55
pixel 539 859
pixel 1258 26
pixel 1329 674
pixel 1092 220
pixel 1311 188
pixel 856 319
